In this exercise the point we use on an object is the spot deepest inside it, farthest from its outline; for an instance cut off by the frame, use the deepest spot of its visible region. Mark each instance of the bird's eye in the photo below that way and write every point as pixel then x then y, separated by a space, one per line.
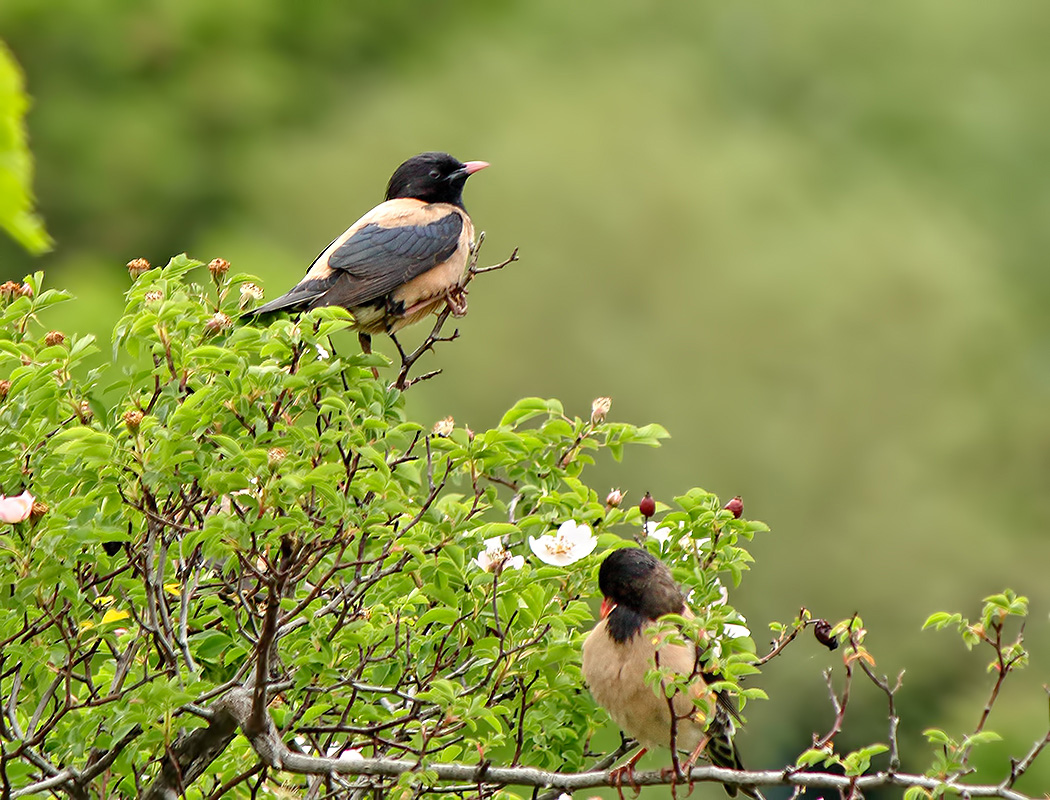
pixel 434 173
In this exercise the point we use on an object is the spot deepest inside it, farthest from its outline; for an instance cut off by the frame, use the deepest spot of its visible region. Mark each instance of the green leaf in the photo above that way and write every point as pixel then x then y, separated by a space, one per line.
pixel 816 756
pixel 983 737
pixel 917 793
pixel 527 408
pixel 937 736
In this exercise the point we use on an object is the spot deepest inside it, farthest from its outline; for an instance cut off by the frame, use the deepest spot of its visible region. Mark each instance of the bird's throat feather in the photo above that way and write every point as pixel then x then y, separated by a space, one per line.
pixel 624 623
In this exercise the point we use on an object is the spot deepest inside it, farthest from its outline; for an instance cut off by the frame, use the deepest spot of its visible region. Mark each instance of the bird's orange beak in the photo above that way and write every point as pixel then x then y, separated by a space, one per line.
pixel 471 167
pixel 607 607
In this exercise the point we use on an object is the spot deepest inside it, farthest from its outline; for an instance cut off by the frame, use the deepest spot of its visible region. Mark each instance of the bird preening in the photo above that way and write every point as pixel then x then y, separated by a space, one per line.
pixel 406 258
pixel 637 590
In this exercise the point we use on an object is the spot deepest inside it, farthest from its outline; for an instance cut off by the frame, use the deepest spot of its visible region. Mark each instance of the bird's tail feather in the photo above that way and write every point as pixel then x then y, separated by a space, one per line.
pixel 293 301
pixel 722 752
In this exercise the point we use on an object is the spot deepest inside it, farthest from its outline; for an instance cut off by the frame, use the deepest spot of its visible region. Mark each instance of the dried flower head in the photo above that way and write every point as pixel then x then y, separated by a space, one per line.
pixel 250 292
pixel 153 296
pixel 137 266
pixel 444 427
pixel 218 267
pixel 84 412
pixel 218 323
pixel 5 388
pixel 599 408
pixel 8 290
pixel 38 510
pixel 52 338
pixel 572 542
pixel 132 419
pixel 275 455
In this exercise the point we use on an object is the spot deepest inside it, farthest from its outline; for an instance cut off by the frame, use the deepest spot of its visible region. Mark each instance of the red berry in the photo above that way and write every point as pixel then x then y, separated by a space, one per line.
pixel 736 505
pixel 647 505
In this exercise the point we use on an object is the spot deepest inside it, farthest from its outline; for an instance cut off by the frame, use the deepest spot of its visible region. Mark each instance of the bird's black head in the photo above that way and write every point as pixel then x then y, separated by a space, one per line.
pixel 433 178
pixel 642 588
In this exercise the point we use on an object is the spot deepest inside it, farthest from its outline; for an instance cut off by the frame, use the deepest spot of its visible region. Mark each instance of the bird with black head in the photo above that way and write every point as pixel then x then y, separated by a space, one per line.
pixel 406 258
pixel 637 590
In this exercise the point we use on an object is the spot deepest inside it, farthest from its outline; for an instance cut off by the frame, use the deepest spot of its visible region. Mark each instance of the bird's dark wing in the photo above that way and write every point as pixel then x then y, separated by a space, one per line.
pixel 370 259
pixel 380 259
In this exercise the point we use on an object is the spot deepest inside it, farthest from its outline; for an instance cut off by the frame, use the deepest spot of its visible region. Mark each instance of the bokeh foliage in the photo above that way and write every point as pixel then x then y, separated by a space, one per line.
pixel 16 215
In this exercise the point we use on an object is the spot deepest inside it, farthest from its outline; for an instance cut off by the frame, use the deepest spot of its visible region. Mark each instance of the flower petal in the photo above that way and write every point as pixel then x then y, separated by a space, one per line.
pixel 16 509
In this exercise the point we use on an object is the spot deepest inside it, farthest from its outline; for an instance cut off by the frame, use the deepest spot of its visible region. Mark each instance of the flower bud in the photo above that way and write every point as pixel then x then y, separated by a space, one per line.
pixel 53 338
pixel 218 267
pixel 823 634
pixel 137 266
pixel 599 408
pixel 38 510
pixel 614 498
pixel 25 290
pixel 736 506
pixel 647 505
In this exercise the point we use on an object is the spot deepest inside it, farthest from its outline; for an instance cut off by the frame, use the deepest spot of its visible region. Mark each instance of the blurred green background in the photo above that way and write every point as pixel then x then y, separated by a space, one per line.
pixel 809 240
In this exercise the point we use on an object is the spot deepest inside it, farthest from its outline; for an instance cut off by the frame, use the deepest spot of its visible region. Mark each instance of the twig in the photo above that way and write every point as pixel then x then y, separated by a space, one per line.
pixel 1018 768
pixel 884 684
pixel 409 359
pixel 785 639
pixel 839 706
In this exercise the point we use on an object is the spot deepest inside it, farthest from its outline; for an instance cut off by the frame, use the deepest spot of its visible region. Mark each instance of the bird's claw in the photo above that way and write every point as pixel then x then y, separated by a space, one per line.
pixel 616 775
pixel 616 779
pixel 456 299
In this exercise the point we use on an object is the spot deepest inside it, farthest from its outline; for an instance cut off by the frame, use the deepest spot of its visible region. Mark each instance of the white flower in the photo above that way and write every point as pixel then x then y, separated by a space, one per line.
pixel 572 542
pixel 695 545
pixel 494 557
pixel 352 754
pixel 734 631
pixel 660 534
pixel 723 593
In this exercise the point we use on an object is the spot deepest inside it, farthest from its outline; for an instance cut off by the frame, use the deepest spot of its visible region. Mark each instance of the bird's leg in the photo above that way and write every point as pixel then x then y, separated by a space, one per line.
pixel 616 775
pixel 366 348
pixel 691 761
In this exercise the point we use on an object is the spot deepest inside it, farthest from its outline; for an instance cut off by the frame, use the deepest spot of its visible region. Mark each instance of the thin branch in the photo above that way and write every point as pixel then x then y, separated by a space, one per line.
pixel 409 359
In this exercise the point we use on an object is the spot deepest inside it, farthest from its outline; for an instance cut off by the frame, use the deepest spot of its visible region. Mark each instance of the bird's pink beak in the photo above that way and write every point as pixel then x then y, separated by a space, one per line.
pixel 607 607
pixel 471 167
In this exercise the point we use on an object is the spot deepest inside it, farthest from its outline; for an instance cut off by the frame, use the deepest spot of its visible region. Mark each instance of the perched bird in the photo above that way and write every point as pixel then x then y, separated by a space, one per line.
pixel 637 589
pixel 402 260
